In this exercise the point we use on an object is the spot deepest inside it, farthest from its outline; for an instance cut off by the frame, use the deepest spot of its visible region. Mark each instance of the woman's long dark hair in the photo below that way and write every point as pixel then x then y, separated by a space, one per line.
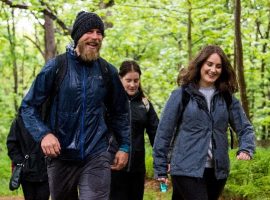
pixel 131 66
pixel 226 82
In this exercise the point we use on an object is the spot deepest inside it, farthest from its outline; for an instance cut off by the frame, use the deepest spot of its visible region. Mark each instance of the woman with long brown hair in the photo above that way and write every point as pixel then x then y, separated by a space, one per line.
pixel 199 165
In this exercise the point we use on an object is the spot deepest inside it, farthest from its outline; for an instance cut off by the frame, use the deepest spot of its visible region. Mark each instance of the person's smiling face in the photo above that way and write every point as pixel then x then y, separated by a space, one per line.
pixel 210 70
pixel 89 45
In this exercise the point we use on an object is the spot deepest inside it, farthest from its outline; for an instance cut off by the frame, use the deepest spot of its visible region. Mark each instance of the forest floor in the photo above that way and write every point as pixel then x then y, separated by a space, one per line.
pixel 149 184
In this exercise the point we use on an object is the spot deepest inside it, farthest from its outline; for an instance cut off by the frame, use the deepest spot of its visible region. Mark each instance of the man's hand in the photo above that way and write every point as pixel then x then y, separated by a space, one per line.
pixel 120 160
pixel 50 145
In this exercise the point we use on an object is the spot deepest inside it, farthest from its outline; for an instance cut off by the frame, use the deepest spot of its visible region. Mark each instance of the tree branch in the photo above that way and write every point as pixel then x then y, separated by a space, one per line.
pixel 36 44
pixel 10 3
pixel 46 11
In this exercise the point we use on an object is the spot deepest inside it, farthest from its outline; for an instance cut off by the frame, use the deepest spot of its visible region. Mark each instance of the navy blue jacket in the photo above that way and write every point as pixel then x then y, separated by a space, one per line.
pixel 82 102
pixel 198 126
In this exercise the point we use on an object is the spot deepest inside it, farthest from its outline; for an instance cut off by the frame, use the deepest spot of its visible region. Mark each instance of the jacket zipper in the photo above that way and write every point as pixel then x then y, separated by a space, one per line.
pixel 209 113
pixel 83 115
pixel 214 146
pixel 130 138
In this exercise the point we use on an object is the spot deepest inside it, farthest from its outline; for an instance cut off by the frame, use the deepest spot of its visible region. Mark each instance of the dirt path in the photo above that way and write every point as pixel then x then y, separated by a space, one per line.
pixel 11 198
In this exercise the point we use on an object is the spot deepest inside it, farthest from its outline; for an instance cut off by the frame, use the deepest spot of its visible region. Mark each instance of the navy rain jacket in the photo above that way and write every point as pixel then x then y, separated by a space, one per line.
pixel 81 108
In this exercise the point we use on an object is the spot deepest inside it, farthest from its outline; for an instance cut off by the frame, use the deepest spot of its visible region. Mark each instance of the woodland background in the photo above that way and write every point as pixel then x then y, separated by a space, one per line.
pixel 162 35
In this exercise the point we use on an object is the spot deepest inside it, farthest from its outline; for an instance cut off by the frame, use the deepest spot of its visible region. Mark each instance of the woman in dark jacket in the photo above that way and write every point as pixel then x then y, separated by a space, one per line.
pixel 199 164
pixel 129 184
pixel 23 149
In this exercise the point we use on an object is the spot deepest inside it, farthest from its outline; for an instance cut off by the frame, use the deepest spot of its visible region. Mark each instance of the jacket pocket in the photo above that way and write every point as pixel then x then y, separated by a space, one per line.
pixel 97 88
pixel 35 168
pixel 68 128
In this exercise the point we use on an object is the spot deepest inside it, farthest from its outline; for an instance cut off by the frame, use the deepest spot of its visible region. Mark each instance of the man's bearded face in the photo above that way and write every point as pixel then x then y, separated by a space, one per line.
pixel 89 49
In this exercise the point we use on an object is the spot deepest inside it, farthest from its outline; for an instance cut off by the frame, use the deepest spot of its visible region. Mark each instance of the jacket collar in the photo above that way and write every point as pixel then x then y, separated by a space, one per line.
pixel 136 97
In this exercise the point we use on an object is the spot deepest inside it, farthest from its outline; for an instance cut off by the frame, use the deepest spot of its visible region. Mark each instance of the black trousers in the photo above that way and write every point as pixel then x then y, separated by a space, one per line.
pixel 190 188
pixel 36 190
pixel 127 185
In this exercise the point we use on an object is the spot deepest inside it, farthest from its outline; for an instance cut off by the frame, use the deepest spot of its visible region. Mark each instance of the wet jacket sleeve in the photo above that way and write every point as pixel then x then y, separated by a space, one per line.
pixel 37 94
pixel 118 108
pixel 242 126
pixel 13 146
pixel 165 132
pixel 152 123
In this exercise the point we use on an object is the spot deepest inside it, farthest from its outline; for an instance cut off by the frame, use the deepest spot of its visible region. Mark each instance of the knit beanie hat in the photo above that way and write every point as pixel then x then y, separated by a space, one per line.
pixel 84 22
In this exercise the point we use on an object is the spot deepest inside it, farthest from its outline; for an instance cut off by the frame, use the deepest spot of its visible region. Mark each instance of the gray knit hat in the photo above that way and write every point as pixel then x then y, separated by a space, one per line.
pixel 84 22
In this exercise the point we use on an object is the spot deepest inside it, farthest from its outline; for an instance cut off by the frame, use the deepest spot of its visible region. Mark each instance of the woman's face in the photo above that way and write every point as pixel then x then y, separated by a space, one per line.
pixel 131 82
pixel 210 71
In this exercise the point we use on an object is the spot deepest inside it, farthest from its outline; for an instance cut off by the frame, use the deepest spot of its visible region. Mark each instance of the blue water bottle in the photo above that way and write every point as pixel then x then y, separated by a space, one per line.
pixel 163 187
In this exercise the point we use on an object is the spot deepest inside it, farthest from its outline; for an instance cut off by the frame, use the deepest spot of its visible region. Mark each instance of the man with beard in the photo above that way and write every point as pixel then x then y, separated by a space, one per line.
pixel 75 137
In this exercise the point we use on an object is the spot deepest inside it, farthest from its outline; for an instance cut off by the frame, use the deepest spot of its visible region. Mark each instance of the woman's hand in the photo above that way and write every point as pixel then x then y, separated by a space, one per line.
pixel 243 156
pixel 163 180
pixel 169 168
pixel 120 160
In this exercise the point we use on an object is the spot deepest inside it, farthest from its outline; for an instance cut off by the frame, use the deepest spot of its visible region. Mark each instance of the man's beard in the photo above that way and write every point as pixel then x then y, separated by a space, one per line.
pixel 87 54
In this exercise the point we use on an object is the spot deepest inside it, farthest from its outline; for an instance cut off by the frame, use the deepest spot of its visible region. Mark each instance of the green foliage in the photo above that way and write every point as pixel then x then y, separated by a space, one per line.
pixel 154 33
pixel 250 178
pixel 247 179
pixel 149 161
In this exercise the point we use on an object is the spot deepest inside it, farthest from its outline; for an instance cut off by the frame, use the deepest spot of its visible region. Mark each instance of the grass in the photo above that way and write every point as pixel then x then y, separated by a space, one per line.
pixel 5 173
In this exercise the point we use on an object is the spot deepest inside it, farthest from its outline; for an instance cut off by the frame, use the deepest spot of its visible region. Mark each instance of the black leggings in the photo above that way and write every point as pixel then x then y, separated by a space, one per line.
pixel 127 185
pixel 190 188
pixel 36 190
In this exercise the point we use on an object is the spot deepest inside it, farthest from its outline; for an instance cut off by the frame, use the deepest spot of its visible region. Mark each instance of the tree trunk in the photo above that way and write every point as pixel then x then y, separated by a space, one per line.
pixel 239 57
pixel 50 47
pixel 189 38
pixel 12 42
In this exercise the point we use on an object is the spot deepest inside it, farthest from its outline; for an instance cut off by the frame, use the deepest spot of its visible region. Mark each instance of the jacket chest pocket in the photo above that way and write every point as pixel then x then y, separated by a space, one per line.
pixel 96 87
pixel 192 114
pixel 221 114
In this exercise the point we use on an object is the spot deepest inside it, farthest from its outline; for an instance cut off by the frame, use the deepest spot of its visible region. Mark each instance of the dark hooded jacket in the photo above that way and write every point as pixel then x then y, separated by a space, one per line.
pixel 143 119
pixel 20 145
